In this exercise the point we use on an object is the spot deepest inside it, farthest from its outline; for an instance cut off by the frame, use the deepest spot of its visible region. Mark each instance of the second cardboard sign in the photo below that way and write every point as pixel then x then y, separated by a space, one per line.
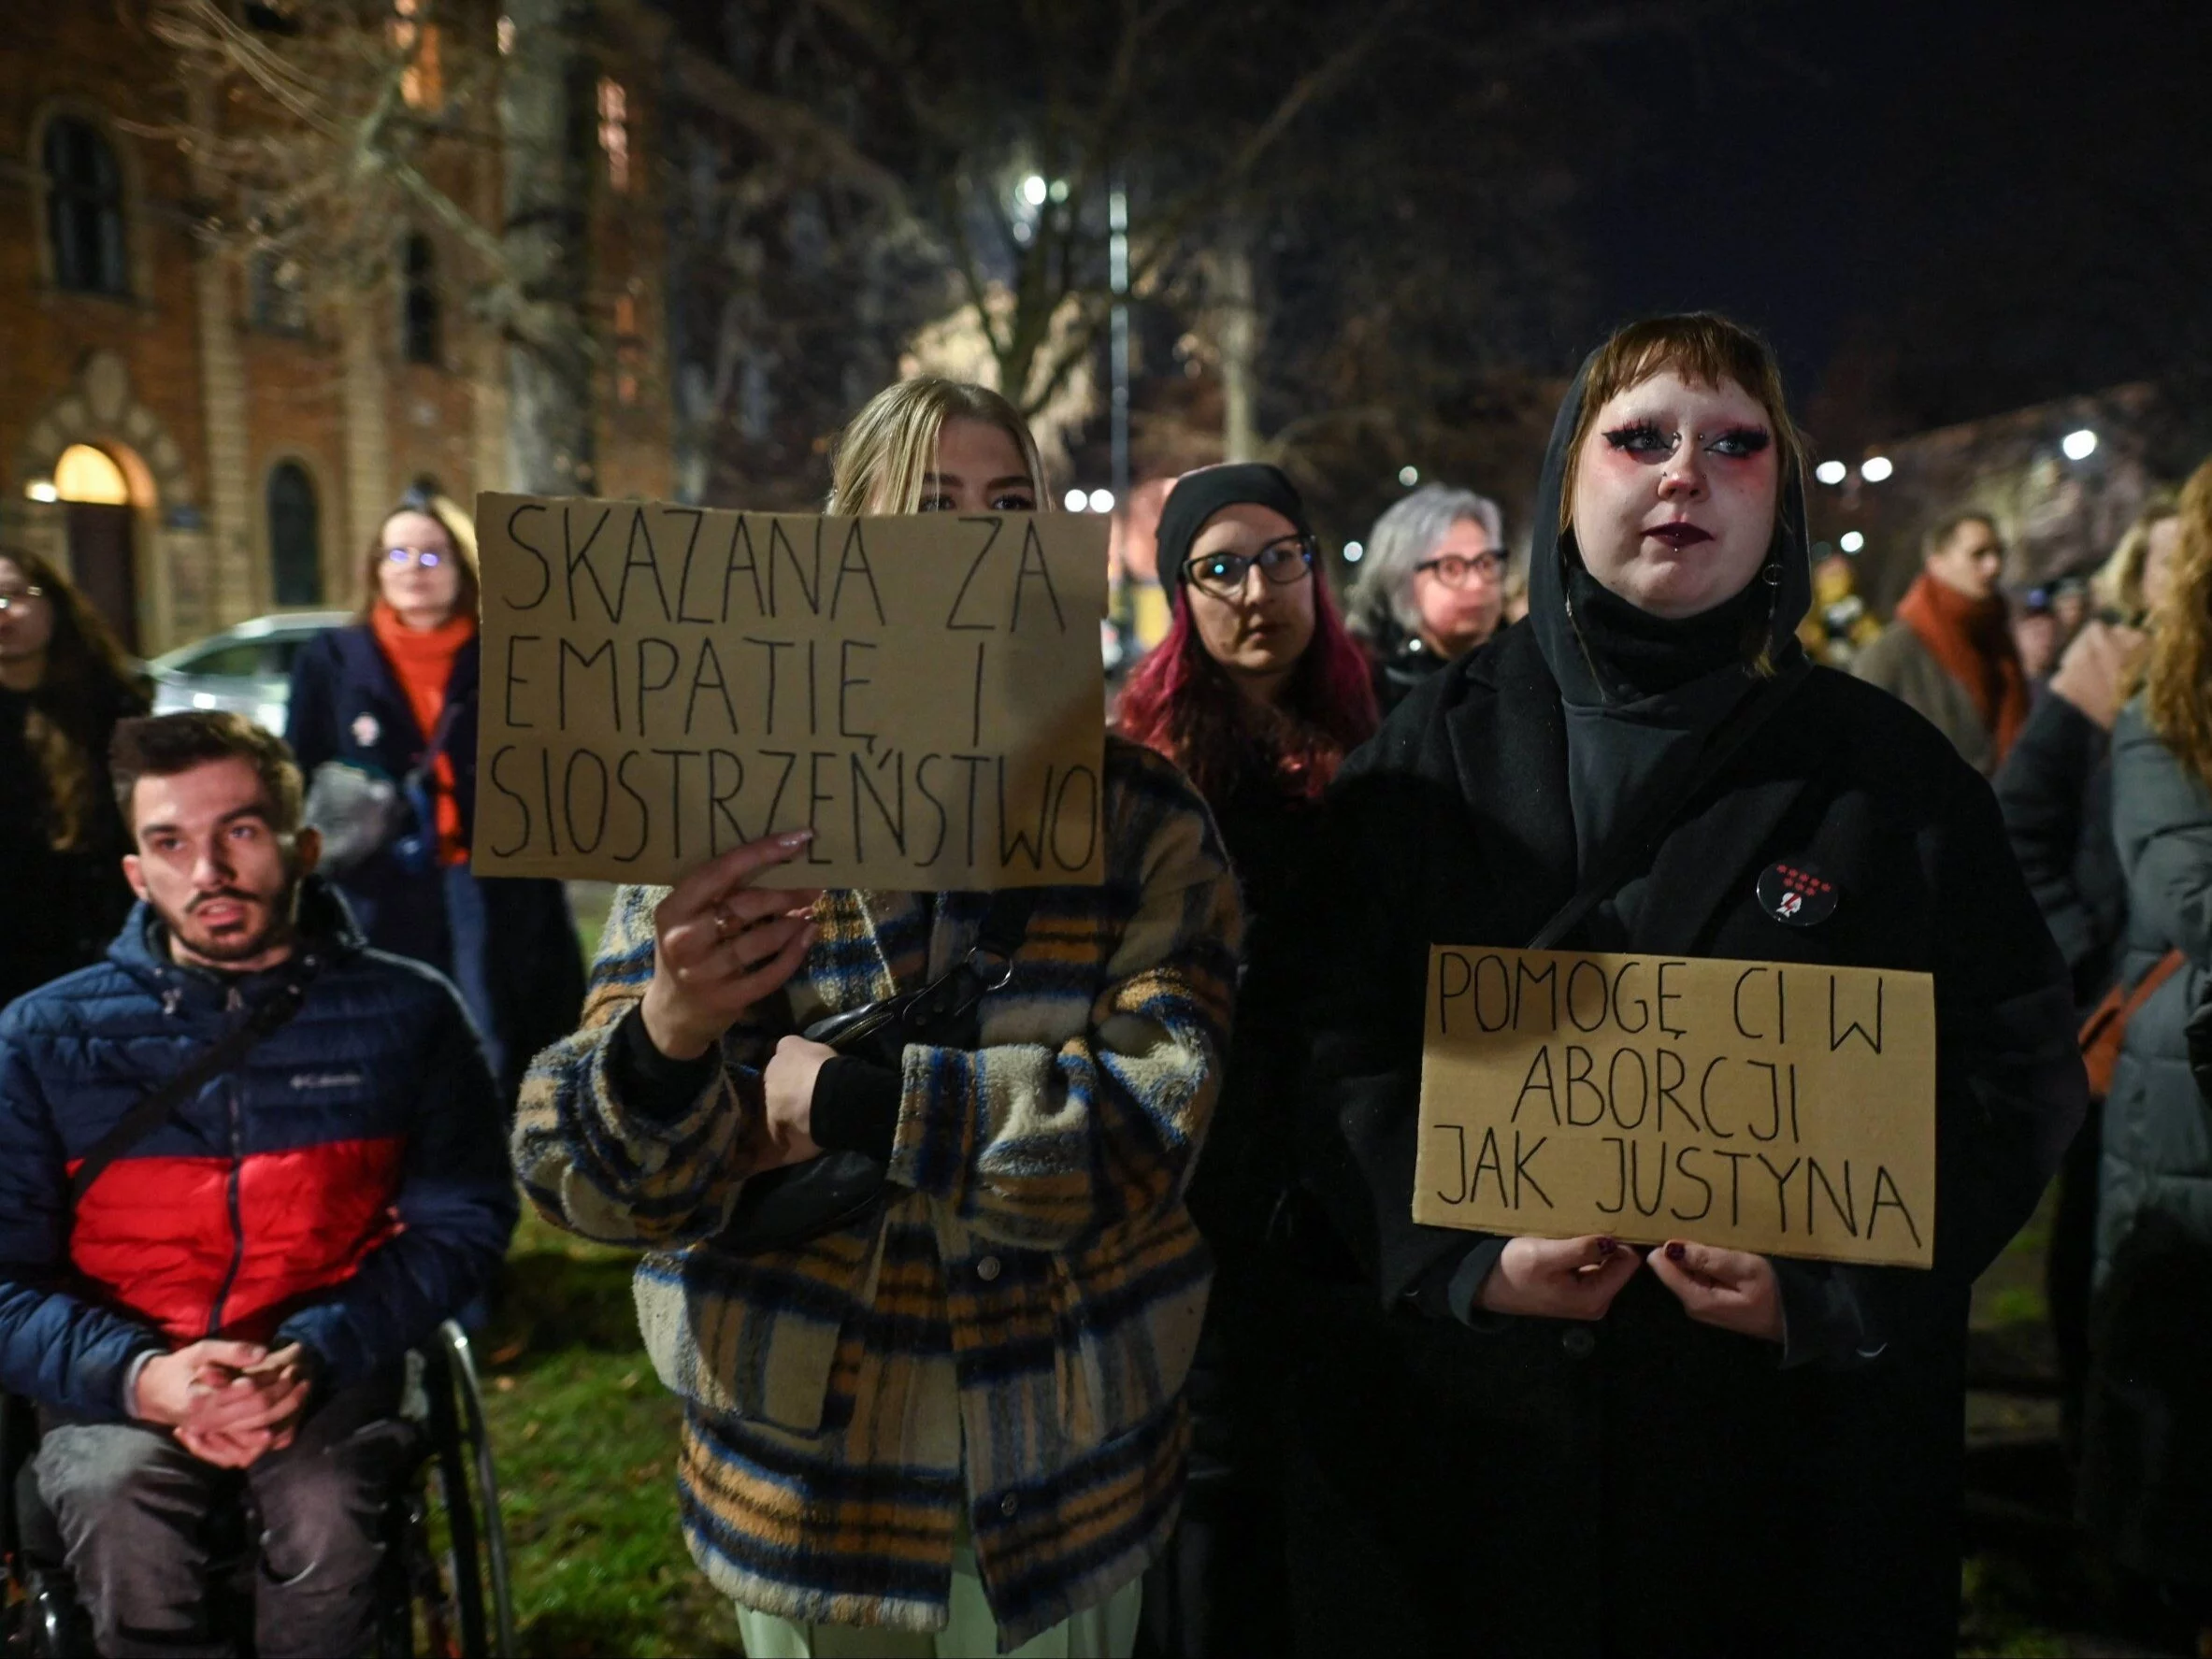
pixel 1771 1107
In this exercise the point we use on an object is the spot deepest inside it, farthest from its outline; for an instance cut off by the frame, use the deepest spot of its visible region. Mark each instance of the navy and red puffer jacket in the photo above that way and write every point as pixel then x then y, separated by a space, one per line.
pixel 345 1186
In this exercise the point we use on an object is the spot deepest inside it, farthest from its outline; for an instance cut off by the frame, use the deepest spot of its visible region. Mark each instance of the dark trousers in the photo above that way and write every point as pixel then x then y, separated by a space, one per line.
pixel 134 1509
pixel 2067 1266
pixel 1221 1587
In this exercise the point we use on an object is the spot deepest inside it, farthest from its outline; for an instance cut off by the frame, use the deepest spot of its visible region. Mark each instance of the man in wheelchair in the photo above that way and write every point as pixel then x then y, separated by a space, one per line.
pixel 245 1164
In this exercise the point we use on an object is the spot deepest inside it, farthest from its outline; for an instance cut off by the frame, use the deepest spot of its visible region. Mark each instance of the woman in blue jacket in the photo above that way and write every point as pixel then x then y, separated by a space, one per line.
pixel 396 691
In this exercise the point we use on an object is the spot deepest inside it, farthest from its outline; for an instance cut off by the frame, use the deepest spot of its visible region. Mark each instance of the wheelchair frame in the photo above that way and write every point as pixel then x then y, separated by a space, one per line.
pixel 465 1598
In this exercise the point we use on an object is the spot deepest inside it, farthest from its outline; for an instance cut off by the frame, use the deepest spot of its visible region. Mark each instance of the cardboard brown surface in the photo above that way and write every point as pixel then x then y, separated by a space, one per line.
pixel 1771 1107
pixel 663 682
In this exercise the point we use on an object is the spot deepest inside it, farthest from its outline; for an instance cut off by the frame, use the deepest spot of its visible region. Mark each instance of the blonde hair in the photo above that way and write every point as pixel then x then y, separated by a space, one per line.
pixel 459 528
pixel 2118 582
pixel 887 452
pixel 2178 685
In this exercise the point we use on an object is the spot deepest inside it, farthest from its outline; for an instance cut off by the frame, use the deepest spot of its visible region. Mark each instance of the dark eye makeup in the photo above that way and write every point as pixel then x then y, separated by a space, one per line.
pixel 1742 440
pixel 1640 437
pixel 1644 438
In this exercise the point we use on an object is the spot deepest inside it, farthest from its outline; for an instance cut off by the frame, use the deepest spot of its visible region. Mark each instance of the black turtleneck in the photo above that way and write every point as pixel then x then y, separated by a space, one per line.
pixel 1637 655
pixel 1655 690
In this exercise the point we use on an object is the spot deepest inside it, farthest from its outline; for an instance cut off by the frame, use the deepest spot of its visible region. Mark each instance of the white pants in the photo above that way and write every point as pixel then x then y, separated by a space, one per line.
pixel 1108 1631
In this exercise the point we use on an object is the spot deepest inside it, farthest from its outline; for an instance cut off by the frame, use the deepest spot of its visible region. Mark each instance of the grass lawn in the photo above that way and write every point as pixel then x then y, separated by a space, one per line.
pixel 585 1439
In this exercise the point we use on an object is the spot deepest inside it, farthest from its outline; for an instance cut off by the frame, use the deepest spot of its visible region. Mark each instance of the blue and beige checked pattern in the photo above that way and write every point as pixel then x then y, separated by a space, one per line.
pixel 1013 1334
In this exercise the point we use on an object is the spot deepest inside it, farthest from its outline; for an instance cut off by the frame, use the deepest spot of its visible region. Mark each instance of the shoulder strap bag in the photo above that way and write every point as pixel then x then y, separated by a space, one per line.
pixel 152 1110
pixel 783 1209
pixel 1631 851
pixel 359 813
pixel 2106 1028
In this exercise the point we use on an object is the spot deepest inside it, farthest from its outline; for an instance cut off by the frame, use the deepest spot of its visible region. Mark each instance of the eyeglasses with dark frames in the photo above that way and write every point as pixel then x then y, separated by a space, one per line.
pixel 1222 575
pixel 1456 570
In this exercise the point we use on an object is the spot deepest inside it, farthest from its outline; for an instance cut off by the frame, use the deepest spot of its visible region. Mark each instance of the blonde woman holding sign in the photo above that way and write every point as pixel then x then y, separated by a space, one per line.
pixel 940 1410
pixel 1516 1446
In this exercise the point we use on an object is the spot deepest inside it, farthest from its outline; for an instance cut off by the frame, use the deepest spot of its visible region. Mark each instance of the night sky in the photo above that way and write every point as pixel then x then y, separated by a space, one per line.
pixel 2016 198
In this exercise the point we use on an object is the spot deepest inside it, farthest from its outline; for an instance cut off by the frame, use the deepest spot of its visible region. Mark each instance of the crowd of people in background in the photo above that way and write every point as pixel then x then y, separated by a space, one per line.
pixel 1379 1431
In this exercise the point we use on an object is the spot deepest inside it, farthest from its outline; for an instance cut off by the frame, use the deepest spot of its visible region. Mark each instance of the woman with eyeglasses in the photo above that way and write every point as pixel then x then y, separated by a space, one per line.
pixel 394 694
pixel 1432 587
pixel 64 683
pixel 1258 693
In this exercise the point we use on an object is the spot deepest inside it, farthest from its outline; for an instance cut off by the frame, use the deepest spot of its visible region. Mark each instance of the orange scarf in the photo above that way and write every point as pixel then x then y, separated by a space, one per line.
pixel 1971 638
pixel 424 661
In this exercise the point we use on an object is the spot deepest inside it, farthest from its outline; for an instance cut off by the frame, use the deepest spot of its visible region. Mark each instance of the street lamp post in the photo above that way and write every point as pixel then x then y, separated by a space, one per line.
pixel 1117 263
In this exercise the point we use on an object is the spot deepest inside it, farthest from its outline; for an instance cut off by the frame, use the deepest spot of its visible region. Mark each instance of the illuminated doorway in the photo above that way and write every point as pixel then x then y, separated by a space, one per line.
pixel 102 527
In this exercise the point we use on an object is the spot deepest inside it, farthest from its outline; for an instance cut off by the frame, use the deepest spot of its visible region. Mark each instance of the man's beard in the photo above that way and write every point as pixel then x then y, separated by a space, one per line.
pixel 237 944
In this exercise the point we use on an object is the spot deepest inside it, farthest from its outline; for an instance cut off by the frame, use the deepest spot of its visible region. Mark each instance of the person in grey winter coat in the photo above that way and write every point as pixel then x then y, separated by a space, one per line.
pixel 2147 1477
pixel 2055 790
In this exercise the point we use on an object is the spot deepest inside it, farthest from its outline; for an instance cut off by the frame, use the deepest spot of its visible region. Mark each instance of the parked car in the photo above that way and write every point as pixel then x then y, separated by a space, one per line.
pixel 247 668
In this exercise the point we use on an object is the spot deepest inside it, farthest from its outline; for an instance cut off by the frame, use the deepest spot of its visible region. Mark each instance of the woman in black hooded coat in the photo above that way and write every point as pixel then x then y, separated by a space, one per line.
pixel 1519 1447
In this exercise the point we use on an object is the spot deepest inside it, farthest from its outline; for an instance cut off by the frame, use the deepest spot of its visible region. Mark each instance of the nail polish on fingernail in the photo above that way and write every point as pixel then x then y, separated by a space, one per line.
pixel 1674 1253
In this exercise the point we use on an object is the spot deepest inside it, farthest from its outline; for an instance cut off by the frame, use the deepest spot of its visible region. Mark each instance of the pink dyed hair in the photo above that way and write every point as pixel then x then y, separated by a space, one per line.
pixel 1180 701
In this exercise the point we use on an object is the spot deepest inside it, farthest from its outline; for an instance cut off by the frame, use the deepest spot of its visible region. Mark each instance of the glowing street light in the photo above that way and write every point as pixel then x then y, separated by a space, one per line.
pixel 1102 501
pixel 1408 476
pixel 1075 501
pixel 1034 190
pixel 1354 552
pixel 1875 468
pixel 2080 445
pixel 1832 472
pixel 1850 541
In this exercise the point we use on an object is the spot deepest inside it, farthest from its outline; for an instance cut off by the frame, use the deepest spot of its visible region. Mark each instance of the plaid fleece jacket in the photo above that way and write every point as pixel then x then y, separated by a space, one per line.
pixel 1011 1337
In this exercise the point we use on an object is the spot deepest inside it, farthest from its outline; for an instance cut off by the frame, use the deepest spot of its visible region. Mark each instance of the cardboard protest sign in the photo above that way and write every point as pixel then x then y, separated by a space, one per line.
pixel 1771 1107
pixel 662 683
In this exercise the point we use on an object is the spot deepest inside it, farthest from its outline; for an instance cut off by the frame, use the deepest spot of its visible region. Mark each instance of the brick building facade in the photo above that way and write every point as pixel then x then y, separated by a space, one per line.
pixel 257 438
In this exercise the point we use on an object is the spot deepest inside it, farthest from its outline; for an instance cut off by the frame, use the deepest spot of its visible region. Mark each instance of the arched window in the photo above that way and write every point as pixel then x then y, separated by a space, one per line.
pixel 295 535
pixel 419 318
pixel 84 209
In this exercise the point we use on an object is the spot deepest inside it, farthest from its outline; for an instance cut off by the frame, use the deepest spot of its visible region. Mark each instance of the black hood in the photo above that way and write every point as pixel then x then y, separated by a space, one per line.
pixel 1555 573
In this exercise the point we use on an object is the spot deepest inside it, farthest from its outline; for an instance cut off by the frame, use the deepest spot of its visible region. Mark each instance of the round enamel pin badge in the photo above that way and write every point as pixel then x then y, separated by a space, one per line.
pixel 367 731
pixel 1796 895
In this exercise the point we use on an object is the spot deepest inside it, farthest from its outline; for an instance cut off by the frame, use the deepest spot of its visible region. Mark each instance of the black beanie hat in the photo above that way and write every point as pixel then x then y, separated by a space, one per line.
pixel 1198 495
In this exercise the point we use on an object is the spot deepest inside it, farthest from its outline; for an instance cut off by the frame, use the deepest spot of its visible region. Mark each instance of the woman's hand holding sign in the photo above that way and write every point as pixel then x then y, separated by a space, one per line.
pixel 1557 1277
pixel 1733 1289
pixel 722 945
pixel 1578 1277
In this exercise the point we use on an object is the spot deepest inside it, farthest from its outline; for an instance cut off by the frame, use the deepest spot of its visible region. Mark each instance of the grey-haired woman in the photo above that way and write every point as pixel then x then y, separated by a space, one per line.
pixel 1432 588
